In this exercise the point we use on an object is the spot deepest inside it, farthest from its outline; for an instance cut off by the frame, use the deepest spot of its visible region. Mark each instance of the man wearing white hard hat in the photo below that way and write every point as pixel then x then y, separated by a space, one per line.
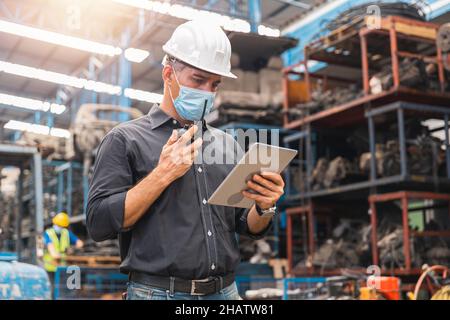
pixel 148 190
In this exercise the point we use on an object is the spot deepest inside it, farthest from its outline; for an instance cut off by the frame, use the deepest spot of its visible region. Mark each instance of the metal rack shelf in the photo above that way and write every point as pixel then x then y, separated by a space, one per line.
pixel 353 46
pixel 352 113
pixel 355 38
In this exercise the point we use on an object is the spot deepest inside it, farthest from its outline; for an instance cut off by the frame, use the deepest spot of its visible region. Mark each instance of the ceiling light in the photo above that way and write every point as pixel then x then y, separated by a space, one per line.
pixel 189 13
pixel 31 104
pixel 37 128
pixel 58 78
pixel 58 39
pixel 136 55
pixel 143 95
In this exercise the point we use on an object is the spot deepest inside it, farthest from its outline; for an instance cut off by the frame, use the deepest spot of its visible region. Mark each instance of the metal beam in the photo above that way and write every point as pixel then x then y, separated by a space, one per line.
pixel 254 12
pixel 295 3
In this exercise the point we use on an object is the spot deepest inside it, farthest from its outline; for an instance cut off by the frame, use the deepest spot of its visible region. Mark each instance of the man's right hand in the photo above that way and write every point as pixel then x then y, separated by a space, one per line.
pixel 178 155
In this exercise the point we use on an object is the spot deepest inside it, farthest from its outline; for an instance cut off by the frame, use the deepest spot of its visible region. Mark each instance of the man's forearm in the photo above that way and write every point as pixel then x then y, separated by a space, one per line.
pixel 255 222
pixel 143 195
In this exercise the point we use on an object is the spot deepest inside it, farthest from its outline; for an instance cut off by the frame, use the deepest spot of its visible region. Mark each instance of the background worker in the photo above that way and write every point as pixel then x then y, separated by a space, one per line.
pixel 174 244
pixel 57 240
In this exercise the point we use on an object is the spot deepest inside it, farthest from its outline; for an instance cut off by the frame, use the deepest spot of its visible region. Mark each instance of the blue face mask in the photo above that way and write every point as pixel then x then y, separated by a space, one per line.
pixel 57 228
pixel 190 102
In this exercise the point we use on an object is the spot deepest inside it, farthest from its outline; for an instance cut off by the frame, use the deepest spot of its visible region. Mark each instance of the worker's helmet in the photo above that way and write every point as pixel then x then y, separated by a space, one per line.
pixel 61 219
pixel 203 45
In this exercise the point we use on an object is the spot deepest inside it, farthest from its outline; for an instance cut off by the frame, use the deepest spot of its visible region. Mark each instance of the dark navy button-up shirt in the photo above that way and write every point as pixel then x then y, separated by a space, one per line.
pixel 181 234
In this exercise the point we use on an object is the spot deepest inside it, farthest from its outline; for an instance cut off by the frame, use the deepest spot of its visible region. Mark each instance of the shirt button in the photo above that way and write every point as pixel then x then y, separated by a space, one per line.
pixel 204 201
pixel 174 121
pixel 213 267
pixel 209 233
pixel 199 169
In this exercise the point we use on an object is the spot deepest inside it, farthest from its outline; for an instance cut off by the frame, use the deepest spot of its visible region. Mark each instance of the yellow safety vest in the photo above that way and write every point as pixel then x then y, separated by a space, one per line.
pixel 60 245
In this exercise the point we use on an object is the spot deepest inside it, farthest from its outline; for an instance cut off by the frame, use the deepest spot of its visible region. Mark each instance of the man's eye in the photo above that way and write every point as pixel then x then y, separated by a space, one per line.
pixel 199 81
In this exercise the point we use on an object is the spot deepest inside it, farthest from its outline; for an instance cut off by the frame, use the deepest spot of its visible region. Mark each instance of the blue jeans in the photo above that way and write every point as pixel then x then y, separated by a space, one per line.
pixel 139 291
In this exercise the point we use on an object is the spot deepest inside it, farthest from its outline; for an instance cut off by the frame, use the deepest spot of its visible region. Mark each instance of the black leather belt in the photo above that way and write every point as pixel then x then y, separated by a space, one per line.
pixel 206 286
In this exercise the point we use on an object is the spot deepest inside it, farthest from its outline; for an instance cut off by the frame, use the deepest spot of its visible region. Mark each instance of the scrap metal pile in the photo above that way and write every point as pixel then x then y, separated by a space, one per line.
pixel 331 174
pixel 322 99
pixel 425 156
pixel 414 74
pixel 349 245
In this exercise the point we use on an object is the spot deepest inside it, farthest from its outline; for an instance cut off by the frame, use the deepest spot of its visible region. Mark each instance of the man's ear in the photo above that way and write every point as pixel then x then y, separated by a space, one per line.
pixel 167 74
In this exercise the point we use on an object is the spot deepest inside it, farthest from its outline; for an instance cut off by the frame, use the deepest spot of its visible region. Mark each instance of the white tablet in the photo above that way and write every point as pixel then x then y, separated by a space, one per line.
pixel 259 157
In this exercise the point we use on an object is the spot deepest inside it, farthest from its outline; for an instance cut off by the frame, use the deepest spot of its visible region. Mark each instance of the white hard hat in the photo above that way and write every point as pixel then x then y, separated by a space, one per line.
pixel 202 45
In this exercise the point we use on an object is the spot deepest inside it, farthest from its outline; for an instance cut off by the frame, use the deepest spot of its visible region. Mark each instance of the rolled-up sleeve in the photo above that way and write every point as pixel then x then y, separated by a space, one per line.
pixel 111 179
pixel 242 225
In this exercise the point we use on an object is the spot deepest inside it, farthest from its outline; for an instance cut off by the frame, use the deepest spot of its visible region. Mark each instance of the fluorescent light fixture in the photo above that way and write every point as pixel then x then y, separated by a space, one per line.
pixel 37 128
pixel 59 78
pixel 59 39
pixel 136 55
pixel 143 95
pixel 63 79
pixel 31 104
pixel 266 31
pixel 189 13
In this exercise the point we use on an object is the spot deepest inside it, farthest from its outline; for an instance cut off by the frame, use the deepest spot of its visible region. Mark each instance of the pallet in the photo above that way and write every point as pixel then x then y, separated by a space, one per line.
pixel 93 261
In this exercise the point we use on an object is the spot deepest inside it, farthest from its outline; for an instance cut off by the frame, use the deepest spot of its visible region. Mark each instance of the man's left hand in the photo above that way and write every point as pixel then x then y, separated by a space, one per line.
pixel 269 187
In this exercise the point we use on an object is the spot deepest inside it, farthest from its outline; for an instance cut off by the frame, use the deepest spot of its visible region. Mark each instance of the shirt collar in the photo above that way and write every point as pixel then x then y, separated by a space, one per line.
pixel 158 117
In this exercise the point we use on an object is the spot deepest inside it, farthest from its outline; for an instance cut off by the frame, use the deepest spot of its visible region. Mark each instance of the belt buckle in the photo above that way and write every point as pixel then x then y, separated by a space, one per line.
pixel 193 282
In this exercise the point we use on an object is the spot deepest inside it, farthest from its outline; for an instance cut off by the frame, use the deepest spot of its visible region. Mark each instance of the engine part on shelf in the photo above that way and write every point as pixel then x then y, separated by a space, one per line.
pixel 443 43
pixel 89 128
pixel 324 99
pixel 347 246
pixel 318 174
pixel 263 252
pixel 338 169
pixel 443 37
pixel 364 159
pixel 412 73
pixel 334 254
pixel 438 255
pixel 423 153
pixel 391 249
pixel 330 174
pixel 387 159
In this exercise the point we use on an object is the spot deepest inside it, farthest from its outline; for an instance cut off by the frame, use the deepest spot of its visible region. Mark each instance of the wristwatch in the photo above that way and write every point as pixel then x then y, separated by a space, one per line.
pixel 270 212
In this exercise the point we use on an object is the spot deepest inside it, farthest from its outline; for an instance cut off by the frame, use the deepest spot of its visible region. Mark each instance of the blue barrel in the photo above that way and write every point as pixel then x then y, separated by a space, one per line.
pixel 22 281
